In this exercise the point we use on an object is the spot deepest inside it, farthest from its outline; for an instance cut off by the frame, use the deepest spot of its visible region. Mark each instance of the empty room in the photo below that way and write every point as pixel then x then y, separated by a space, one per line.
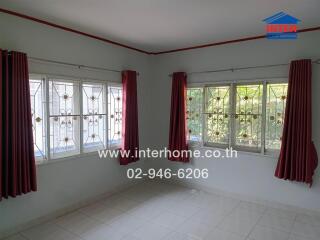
pixel 159 120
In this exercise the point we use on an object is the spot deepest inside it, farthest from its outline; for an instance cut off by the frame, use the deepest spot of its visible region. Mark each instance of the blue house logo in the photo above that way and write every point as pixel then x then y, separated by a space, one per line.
pixel 281 26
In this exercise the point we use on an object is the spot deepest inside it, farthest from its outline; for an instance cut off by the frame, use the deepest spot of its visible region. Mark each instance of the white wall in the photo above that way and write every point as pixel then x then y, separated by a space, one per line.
pixel 249 175
pixel 65 183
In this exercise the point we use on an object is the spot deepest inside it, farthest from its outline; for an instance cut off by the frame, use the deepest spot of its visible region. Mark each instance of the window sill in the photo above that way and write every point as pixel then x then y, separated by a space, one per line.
pixel 269 154
pixel 43 162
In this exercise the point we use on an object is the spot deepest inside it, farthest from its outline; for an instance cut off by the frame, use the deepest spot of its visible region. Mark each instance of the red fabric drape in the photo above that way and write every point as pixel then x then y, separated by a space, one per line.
pixel 130 131
pixel 17 161
pixel 177 134
pixel 298 157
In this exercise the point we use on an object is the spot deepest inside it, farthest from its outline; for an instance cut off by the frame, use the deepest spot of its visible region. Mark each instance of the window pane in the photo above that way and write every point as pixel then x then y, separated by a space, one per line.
pixel 248 115
pixel 194 114
pixel 276 103
pixel 217 114
pixel 114 115
pixel 93 95
pixel 64 118
pixel 94 116
pixel 38 120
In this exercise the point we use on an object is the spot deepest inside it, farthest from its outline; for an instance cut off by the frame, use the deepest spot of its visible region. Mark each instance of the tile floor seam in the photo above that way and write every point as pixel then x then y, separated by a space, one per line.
pixel 275 228
pixel 67 230
pixel 256 224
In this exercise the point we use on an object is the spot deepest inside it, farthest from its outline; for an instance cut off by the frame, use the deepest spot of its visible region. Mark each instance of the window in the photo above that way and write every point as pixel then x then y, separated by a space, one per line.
pixel 248 115
pixel 64 115
pixel 72 116
pixel 194 116
pixel 94 116
pixel 217 114
pixel 38 116
pixel 114 115
pixel 243 116
pixel 276 104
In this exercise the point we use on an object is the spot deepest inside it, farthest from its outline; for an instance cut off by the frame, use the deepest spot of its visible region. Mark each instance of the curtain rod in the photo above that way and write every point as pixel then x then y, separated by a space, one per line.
pixel 242 68
pixel 80 66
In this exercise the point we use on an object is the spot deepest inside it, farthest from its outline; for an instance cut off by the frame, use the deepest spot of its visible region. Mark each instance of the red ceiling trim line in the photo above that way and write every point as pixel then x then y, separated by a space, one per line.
pixel 229 41
pixel 210 44
pixel 70 30
pixel 140 50
pixel 309 29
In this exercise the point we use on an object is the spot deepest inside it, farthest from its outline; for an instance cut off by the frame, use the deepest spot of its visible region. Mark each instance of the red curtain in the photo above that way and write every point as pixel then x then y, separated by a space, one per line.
pixel 298 157
pixel 177 134
pixel 130 131
pixel 17 162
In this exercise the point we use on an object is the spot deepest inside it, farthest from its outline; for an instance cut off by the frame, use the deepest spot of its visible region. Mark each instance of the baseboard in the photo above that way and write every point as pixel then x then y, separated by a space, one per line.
pixel 66 210
pixel 268 203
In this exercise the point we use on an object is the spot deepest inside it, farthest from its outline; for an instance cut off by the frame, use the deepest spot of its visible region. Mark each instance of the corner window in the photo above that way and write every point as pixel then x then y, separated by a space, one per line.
pixel 74 116
pixel 247 117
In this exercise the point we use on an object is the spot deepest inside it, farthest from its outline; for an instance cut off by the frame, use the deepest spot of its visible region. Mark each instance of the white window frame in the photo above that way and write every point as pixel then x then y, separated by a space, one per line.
pixel 44 104
pixel 271 152
pixel 45 78
pixel 192 142
pixel 58 78
pixel 212 144
pixel 233 84
pixel 263 114
pixel 111 84
pixel 106 84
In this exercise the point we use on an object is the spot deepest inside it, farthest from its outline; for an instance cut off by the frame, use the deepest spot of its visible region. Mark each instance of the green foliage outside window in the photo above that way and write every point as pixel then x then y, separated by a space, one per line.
pixel 237 119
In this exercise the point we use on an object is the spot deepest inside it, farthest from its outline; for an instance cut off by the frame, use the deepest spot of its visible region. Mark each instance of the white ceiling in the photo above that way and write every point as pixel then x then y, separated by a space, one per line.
pixel 157 25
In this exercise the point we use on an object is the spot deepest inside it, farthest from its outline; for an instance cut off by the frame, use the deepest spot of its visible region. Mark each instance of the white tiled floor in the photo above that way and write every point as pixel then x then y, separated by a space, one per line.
pixel 155 211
